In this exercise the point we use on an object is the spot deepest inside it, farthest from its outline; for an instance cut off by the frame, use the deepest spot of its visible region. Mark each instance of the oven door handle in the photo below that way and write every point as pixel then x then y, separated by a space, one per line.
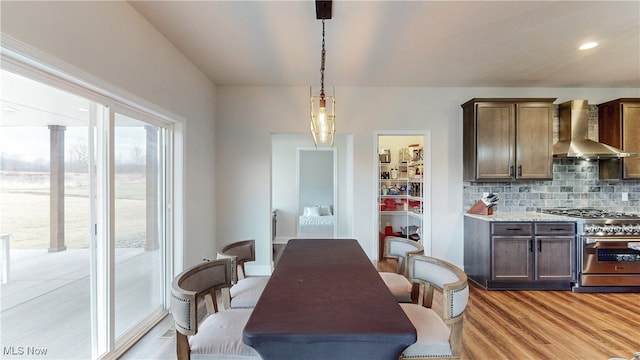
pixel 591 240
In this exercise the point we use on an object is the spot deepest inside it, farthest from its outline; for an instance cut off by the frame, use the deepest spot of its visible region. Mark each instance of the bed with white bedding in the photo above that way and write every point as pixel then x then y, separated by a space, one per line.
pixel 316 221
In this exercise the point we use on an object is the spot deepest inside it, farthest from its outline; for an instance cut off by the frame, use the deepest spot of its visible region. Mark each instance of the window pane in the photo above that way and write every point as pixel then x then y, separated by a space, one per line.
pixel 138 225
pixel 44 219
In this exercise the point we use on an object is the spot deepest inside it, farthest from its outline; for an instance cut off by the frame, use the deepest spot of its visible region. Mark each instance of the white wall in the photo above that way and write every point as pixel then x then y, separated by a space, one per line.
pixel 249 115
pixel 111 42
pixel 315 174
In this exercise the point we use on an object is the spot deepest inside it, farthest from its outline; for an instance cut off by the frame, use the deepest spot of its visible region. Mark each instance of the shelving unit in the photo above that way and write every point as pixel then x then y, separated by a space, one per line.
pixel 400 193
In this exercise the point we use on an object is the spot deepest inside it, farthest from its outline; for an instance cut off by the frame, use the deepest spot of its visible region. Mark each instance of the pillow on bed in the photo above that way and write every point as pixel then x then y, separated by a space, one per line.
pixel 325 210
pixel 311 211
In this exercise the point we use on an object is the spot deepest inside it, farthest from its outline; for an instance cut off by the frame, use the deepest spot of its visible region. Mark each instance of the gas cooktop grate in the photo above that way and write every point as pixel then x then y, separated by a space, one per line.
pixel 589 213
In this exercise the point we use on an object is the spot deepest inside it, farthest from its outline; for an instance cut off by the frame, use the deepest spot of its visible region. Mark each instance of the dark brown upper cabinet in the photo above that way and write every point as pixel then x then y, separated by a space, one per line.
pixel 507 139
pixel 619 126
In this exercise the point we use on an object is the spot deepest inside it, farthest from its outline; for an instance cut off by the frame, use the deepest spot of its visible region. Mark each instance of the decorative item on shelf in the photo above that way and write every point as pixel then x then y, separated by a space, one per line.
pixel 411 232
pixel 415 152
pixel 322 119
pixel 416 189
pixel 384 156
pixel 388 205
pixel 388 230
pixel 485 205
pixel 393 190
pixel 394 174
pixel 403 155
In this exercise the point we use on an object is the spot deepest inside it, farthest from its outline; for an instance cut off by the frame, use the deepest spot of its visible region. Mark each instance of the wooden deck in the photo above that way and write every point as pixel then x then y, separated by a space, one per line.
pixel 46 303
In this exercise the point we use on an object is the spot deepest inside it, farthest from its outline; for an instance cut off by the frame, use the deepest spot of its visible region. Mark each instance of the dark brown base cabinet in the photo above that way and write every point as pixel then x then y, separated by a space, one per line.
pixel 520 255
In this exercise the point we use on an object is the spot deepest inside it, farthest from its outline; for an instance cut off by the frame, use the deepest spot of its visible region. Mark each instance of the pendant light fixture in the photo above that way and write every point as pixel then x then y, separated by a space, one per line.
pixel 322 106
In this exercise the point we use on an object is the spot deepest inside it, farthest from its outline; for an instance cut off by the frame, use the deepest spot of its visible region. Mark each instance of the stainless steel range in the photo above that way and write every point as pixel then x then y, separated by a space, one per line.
pixel 608 247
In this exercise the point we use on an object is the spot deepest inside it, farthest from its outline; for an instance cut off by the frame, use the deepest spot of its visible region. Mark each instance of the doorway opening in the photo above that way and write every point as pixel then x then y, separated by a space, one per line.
pixel 402 187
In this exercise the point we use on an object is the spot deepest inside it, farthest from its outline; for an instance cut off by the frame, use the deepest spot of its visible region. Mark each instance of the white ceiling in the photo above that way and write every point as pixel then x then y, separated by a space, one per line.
pixel 406 43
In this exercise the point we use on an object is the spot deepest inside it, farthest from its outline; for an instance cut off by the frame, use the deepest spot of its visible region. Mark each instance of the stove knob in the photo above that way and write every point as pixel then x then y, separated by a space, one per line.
pixel 627 229
pixel 588 229
pixel 636 229
pixel 607 229
pixel 616 229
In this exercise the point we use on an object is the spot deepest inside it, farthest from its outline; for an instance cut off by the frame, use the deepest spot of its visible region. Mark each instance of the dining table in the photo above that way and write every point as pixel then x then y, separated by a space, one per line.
pixel 326 300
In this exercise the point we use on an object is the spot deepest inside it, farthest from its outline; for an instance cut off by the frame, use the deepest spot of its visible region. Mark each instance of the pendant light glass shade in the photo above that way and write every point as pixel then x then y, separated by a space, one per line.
pixel 323 114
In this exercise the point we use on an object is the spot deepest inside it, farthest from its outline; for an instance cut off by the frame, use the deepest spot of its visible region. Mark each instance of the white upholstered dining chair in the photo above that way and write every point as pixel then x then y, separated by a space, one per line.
pixel 439 330
pixel 398 248
pixel 245 291
pixel 217 335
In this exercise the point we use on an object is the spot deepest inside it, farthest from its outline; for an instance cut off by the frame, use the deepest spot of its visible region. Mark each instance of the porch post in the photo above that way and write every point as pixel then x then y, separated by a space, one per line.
pixel 56 183
pixel 151 167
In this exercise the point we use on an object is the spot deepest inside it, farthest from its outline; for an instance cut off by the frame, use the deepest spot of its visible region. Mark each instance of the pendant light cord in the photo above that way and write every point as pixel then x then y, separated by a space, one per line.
pixel 322 64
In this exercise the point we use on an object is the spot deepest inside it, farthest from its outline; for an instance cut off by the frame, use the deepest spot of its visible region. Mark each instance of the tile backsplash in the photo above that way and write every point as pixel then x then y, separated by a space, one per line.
pixel 575 184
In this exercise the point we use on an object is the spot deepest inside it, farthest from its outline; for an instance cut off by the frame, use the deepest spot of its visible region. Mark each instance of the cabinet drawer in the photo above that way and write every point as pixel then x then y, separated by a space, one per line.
pixel 555 228
pixel 512 229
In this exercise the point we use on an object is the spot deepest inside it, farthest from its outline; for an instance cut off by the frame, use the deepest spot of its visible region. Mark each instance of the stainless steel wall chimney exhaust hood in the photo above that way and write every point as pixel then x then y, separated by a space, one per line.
pixel 573 135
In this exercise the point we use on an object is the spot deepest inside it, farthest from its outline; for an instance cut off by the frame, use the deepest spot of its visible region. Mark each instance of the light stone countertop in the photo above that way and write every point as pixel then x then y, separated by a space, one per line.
pixel 521 216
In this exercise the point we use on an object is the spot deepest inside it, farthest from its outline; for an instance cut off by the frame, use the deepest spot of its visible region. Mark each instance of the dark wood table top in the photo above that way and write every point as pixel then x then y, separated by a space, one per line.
pixel 327 300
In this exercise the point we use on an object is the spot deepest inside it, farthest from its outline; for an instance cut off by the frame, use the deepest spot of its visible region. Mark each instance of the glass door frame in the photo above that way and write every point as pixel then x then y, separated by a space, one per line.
pixel 35 67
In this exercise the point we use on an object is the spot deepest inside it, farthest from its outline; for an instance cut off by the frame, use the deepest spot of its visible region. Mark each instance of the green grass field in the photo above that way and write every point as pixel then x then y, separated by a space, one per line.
pixel 24 210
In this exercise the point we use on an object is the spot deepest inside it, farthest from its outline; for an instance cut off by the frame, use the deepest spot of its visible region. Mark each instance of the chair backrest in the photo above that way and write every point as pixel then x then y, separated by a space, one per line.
pixel 399 248
pixel 202 279
pixel 450 279
pixel 244 251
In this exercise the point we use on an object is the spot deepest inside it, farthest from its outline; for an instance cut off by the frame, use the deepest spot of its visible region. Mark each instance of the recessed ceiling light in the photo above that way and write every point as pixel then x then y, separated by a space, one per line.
pixel 10 109
pixel 588 45
pixel 83 109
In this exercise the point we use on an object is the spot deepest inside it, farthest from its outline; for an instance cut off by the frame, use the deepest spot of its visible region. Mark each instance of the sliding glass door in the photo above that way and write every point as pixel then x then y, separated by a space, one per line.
pixel 45 207
pixel 139 220
pixel 85 194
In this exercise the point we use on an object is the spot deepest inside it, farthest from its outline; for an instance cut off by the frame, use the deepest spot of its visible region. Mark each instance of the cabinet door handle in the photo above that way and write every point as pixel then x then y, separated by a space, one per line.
pixel 519 170
pixel 539 245
pixel 530 245
pixel 511 170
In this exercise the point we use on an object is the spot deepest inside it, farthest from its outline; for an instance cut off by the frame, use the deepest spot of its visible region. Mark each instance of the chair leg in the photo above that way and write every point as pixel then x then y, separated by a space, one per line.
pixel 417 293
pixel 455 338
pixel 226 298
pixel 182 347
pixel 428 295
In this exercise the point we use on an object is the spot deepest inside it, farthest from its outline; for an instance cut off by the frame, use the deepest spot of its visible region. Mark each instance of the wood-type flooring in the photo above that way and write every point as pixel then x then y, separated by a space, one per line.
pixel 549 324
